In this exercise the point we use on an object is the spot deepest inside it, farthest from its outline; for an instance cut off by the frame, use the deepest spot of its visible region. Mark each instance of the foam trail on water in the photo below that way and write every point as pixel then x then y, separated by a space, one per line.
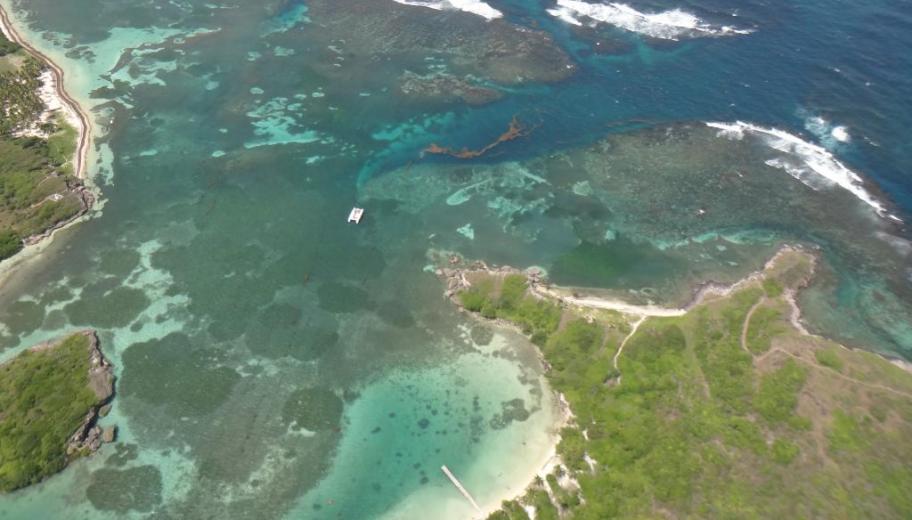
pixel 470 6
pixel 667 25
pixel 811 164
pixel 828 134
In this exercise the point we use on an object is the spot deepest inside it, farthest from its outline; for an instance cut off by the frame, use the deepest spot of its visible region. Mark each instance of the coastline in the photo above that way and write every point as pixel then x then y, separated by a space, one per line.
pixel 456 281
pixel 701 293
pixel 75 115
pixel 544 467
pixel 84 128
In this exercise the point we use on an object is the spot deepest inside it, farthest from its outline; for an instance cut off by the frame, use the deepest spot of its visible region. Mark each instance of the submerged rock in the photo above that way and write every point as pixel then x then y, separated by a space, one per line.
pixel 121 491
pixel 499 50
pixel 447 88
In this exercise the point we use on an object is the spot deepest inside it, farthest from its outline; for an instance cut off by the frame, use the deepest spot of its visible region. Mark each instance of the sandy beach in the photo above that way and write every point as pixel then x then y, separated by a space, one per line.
pixel 55 95
pixel 545 465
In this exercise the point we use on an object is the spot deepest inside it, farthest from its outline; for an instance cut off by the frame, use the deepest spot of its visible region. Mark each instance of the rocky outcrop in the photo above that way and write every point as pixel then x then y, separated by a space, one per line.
pixel 89 436
pixel 454 270
pixel 86 200
pixel 447 88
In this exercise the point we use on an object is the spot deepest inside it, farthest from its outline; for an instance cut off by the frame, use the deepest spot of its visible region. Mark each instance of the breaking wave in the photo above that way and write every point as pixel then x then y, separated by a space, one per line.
pixel 667 25
pixel 470 6
pixel 811 164
pixel 829 135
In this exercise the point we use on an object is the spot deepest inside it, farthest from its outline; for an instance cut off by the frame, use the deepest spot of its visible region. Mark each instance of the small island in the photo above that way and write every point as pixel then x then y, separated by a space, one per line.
pixel 51 397
pixel 725 408
pixel 41 185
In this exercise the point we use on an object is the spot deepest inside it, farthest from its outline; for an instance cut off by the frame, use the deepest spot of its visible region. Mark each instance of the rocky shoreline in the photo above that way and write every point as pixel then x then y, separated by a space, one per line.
pixel 52 397
pixel 452 268
pixel 87 200
pixel 89 437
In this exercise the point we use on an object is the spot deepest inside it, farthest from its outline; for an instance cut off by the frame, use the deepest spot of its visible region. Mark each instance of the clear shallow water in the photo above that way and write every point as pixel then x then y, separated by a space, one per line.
pixel 261 342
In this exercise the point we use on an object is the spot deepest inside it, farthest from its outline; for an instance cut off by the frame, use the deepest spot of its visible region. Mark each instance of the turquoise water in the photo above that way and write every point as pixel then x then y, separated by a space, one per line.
pixel 274 361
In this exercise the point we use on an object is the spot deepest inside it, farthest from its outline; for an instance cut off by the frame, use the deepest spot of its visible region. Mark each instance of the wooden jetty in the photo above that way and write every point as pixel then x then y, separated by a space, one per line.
pixel 455 481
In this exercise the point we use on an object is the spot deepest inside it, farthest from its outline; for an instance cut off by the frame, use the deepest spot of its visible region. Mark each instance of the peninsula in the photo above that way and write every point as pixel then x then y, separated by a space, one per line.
pixel 51 397
pixel 44 141
pixel 725 408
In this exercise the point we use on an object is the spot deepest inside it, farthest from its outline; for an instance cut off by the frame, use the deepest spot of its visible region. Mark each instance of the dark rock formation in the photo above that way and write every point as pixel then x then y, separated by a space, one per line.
pixel 88 437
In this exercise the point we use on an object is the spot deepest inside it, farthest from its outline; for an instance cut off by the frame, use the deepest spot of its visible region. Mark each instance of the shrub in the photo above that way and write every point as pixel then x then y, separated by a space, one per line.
pixel 475 297
pixel 784 452
pixel 772 287
pixel 7 47
pixel 778 395
pixel 763 326
pixel 845 433
pixel 10 243
pixel 829 358
pixel 512 291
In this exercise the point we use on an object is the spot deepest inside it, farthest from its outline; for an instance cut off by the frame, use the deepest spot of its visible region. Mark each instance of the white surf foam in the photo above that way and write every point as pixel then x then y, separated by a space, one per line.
pixel 831 136
pixel 841 134
pixel 667 25
pixel 470 6
pixel 811 164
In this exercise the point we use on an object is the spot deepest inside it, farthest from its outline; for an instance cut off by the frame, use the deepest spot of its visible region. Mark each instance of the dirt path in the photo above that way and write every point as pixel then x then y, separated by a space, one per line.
pixel 612 305
pixel 876 386
pixel 746 325
pixel 633 331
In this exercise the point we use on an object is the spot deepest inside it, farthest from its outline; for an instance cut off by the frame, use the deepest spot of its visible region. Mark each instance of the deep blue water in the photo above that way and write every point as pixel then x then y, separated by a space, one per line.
pixel 844 61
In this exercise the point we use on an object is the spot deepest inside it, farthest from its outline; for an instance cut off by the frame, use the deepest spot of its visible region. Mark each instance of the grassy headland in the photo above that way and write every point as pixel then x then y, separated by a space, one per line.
pixel 49 398
pixel 726 411
pixel 38 190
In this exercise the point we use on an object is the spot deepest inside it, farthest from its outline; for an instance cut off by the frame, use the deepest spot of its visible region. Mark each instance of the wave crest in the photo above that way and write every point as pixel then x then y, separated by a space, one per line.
pixel 811 164
pixel 667 25
pixel 470 6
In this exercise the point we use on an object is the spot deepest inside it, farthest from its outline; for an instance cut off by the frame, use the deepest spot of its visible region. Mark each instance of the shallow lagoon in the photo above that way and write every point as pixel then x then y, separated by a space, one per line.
pixel 225 281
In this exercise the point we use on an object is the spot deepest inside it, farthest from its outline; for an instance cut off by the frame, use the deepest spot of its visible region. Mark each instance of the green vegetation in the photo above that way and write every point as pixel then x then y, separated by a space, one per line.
pixel 19 96
pixel 701 426
pixel 565 499
pixel 10 243
pixel 765 322
pixel 37 189
pixel 510 510
pixel 784 451
pixel 544 508
pixel 62 146
pixel 536 317
pixel 829 358
pixel 44 397
pixel 772 287
pixel 726 367
pixel 8 47
pixel 778 394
